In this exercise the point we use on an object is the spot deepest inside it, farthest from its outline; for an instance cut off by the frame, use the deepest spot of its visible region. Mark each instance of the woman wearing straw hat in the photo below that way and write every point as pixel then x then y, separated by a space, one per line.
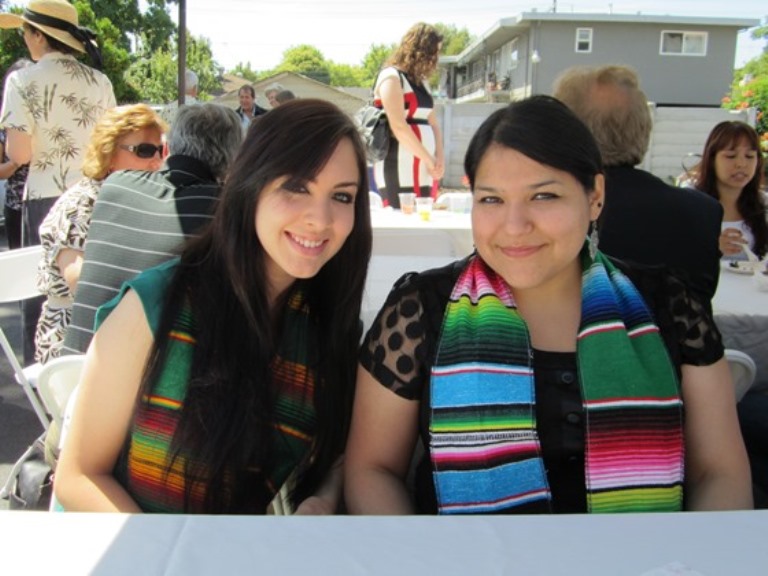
pixel 49 110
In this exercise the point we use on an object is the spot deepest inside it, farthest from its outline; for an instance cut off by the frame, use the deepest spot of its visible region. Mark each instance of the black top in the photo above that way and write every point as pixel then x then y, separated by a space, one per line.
pixel 400 347
pixel 647 221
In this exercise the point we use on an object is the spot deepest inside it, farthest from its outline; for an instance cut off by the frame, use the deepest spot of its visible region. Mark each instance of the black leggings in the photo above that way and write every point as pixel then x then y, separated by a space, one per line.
pixel 12 227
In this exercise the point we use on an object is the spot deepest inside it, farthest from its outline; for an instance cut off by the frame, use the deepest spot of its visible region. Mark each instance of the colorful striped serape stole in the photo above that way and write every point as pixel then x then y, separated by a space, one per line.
pixel 484 445
pixel 146 475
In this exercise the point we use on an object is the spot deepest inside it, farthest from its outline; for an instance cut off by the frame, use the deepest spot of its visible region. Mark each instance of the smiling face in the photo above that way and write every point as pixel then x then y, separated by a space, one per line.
pixel 124 159
pixel 302 225
pixel 246 99
pixel 529 221
pixel 735 166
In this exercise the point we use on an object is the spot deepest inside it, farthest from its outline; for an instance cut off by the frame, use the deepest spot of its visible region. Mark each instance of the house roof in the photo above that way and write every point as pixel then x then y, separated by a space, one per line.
pixel 506 28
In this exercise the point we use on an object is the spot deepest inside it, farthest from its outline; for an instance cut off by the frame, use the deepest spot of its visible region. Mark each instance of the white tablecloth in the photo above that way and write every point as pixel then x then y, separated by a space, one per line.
pixel 741 314
pixel 711 544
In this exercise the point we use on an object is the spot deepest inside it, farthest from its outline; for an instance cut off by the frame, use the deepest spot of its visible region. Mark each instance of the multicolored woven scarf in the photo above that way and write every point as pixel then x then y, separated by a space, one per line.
pixel 143 470
pixel 484 446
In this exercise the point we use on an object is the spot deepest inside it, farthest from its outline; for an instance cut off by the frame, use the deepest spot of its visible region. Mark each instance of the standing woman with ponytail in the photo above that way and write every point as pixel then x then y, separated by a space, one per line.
pixel 49 111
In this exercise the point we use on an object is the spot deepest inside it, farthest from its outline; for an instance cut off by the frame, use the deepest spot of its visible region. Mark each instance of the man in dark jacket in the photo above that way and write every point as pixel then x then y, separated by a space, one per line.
pixel 248 109
pixel 645 220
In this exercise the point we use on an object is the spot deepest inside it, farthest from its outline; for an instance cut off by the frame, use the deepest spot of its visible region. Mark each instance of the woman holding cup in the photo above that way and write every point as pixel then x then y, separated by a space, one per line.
pixel 731 171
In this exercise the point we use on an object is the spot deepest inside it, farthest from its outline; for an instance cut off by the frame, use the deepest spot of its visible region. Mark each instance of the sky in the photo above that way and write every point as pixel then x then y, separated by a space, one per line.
pixel 343 30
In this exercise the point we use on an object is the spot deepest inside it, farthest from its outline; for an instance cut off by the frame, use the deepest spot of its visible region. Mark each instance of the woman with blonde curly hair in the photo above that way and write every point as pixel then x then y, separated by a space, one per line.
pixel 125 138
pixel 415 155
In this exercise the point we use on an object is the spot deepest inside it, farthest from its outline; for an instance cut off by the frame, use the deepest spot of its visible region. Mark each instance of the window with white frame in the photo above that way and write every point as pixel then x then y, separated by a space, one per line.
pixel 682 43
pixel 584 40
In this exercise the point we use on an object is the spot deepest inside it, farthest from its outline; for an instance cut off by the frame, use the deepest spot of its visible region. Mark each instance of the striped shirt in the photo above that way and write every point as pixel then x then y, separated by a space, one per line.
pixel 140 220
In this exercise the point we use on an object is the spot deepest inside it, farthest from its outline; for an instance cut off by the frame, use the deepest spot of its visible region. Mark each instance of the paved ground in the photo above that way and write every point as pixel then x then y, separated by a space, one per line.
pixel 18 424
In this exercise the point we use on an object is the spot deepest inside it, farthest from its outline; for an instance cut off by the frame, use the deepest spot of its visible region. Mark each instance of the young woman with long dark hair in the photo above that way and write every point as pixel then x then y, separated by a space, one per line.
pixel 225 378
pixel 540 375
pixel 731 171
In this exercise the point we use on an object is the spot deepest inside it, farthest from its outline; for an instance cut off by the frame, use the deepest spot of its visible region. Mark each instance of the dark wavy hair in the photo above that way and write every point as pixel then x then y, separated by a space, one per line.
pixel 417 53
pixel 222 274
pixel 543 129
pixel 750 204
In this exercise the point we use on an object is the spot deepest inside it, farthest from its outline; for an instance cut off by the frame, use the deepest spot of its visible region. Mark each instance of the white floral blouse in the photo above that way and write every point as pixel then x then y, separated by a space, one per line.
pixel 57 102
pixel 66 226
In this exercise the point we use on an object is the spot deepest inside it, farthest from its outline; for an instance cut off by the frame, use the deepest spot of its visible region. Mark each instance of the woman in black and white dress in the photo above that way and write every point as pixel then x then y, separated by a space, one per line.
pixel 415 157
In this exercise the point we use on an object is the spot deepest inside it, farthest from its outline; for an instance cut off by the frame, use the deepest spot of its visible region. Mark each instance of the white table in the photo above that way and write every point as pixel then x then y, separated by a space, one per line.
pixel 741 314
pixel 405 243
pixel 712 544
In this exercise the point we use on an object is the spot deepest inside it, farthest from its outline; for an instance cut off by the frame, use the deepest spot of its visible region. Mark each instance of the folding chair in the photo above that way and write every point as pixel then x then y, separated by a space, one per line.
pixel 18 270
pixel 57 386
pixel 56 382
pixel 743 371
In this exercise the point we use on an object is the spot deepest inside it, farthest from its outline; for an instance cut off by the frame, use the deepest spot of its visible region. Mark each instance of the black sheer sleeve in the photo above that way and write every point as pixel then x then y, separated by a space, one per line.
pixel 683 316
pixel 399 348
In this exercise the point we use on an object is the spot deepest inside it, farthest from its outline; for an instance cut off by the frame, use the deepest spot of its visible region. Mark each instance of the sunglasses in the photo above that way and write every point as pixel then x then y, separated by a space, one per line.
pixel 143 150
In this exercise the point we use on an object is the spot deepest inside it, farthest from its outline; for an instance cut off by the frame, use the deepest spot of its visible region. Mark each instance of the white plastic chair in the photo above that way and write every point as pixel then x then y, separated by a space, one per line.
pixel 56 383
pixel 18 270
pixel 743 371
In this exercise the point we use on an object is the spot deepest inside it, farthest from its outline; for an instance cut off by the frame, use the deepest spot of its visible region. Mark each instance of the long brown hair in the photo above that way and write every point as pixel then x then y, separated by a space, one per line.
pixel 750 204
pixel 418 51
pixel 228 411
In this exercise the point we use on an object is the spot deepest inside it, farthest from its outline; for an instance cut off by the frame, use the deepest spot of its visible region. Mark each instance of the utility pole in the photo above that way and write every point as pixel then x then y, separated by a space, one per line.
pixel 182 50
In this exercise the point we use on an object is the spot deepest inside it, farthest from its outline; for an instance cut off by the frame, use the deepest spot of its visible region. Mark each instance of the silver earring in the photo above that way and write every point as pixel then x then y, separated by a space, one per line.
pixel 593 240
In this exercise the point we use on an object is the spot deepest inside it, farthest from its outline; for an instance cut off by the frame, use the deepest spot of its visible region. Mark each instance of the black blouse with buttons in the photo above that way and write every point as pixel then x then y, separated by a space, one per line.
pixel 400 348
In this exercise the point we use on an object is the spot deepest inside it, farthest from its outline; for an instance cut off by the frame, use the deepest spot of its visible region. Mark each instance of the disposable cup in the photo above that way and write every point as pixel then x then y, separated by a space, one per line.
pixel 424 207
pixel 407 202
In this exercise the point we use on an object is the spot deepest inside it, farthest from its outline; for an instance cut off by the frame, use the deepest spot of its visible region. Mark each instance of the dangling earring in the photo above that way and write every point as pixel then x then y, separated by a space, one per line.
pixel 593 239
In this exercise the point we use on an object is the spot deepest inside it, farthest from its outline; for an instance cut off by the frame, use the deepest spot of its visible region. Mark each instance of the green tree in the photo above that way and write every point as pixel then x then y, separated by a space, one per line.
pixel 455 40
pixel 374 60
pixel 154 75
pixel 245 71
pixel 750 87
pixel 156 25
pixel 152 28
pixel 12 47
pixel 345 74
pixel 115 56
pixel 307 60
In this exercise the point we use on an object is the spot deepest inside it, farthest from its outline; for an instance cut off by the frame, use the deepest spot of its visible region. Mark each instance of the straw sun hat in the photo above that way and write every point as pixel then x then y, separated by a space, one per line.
pixel 57 19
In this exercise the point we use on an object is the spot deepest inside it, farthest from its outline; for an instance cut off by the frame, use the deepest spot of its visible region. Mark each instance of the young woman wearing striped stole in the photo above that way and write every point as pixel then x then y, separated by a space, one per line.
pixel 222 381
pixel 539 375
